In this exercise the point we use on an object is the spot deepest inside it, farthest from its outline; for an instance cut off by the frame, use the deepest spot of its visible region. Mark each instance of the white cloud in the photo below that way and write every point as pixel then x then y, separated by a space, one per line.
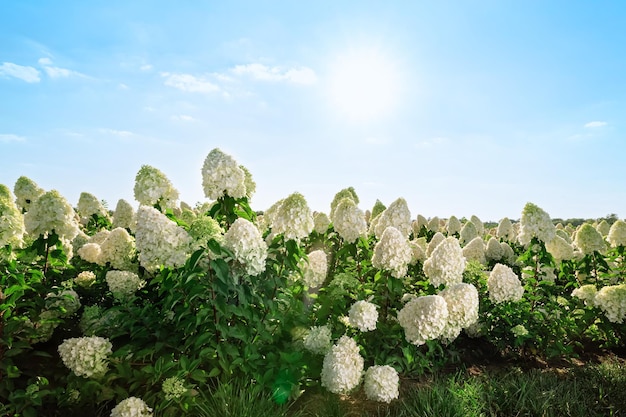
pixel 115 132
pixel 146 67
pixel 11 138
pixel 24 73
pixel 595 124
pixel 57 72
pixel 296 75
pixel 190 83
pixel 183 118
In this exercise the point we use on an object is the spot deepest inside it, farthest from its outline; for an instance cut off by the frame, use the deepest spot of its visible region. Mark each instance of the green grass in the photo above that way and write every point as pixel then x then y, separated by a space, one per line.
pixel 588 391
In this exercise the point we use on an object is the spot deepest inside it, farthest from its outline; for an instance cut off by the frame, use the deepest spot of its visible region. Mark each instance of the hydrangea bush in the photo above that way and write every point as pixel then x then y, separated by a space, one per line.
pixel 164 300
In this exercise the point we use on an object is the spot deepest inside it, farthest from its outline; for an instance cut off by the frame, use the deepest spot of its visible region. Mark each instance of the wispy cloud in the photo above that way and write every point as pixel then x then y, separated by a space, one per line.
pixel 595 124
pixel 296 75
pixel 146 67
pixel 119 133
pixel 8 138
pixel 24 73
pixel 57 72
pixel 190 83
pixel 183 118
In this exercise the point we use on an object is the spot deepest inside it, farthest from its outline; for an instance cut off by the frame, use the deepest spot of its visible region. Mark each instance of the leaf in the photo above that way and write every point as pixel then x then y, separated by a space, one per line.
pixel 221 270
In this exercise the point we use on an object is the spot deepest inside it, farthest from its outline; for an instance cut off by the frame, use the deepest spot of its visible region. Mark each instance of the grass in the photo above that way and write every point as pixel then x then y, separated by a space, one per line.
pixel 590 390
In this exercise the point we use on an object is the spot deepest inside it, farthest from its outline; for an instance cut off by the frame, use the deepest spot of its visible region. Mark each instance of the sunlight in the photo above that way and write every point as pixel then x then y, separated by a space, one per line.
pixel 364 85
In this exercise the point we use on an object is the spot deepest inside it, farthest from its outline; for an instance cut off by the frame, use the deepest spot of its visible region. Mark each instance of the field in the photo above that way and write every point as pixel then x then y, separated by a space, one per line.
pixel 167 309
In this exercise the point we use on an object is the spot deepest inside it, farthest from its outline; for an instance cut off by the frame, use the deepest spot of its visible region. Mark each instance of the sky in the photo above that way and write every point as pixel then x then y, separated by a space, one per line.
pixel 460 107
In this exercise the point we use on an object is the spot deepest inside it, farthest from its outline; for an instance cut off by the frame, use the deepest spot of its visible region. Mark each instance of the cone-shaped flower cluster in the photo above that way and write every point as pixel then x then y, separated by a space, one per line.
pixel 392 252
pixel 446 264
pixel 247 245
pixel 343 366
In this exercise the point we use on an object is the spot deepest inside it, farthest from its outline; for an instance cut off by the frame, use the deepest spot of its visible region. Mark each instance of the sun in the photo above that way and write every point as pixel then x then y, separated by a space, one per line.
pixel 364 84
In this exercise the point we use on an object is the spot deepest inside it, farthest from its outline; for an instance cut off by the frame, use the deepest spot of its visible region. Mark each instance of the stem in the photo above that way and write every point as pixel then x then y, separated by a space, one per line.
pixel 595 269
pixel 45 260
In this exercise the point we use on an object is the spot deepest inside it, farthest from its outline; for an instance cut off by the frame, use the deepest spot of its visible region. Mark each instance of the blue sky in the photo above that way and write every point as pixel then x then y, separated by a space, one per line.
pixel 460 107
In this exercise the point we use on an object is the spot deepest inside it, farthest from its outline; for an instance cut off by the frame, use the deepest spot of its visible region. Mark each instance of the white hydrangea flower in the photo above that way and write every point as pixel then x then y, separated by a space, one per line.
pixel 508 255
pixel 504 285
pixel 26 192
pixel 321 221
pixel 100 236
pixel 118 249
pixel 560 249
pixel 519 330
pixel 247 245
pixel 51 212
pixel 124 215
pixel 468 233
pixel 248 182
pixel 617 234
pixel 589 240
pixel 123 284
pixel 159 240
pixel 564 234
pixel 88 205
pixel 494 251
pixel 85 279
pixel 612 301
pixel 64 303
pixel 446 264
pixel 393 252
pixel 153 187
pixel 11 220
pixel 586 293
pixel 345 193
pixel 397 215
pixel 204 228
pixel 453 226
pixel 433 224
pixel 86 356
pixel 349 220
pixel 318 340
pixel 293 218
pixel 505 230
pixel 363 315
pixel 343 366
pixel 381 383
pixel 132 407
pixel 173 388
pixel 378 208
pixel 475 250
pixel 221 175
pixel 90 252
pixel 603 228
pixel 434 242
pixel 314 271
pixel 418 250
pixel 462 301
pixel 424 318
pixel 418 224
pixel 535 223
pixel 480 227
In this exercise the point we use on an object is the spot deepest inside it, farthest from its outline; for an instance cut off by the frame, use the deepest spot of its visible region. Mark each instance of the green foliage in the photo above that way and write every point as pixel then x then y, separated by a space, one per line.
pixel 220 335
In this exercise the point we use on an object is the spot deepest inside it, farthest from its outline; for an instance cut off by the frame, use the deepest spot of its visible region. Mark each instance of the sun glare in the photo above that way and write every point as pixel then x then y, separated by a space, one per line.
pixel 364 85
